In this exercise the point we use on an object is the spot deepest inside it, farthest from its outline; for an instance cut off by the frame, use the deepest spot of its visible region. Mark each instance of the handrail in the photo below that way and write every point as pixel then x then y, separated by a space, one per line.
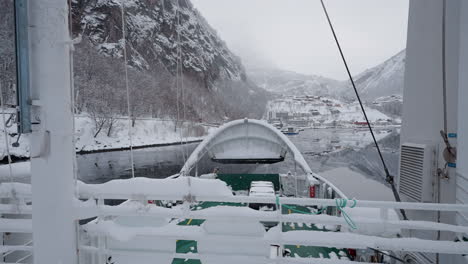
pixel 298 237
pixel 277 260
pixel 283 200
pixel 236 214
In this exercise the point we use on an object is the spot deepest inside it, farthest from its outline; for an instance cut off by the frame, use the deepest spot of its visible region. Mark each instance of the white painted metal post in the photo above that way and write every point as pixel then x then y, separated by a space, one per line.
pixel 101 257
pixel 52 147
pixel 462 151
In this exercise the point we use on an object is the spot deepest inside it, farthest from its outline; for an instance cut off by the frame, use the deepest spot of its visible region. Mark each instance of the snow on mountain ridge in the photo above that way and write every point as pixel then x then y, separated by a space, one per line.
pixel 384 79
pixel 152 35
pixel 291 83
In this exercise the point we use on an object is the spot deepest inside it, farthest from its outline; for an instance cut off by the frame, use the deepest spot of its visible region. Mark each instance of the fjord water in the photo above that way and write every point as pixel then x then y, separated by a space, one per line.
pixel 324 149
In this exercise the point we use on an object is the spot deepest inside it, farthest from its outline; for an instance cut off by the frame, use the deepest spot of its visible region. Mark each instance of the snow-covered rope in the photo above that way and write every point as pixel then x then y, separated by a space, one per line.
pixel 129 112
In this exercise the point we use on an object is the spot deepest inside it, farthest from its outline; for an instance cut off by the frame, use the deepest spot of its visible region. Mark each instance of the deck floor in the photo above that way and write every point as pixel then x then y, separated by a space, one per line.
pixel 190 246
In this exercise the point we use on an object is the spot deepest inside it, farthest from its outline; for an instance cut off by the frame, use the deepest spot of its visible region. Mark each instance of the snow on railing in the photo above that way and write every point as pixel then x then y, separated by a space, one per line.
pixel 16 222
pixel 192 190
pixel 134 190
pixel 232 257
pixel 244 213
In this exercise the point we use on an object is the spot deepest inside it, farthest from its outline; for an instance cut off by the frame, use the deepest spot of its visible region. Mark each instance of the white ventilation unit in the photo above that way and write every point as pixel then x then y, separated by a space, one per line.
pixel 416 172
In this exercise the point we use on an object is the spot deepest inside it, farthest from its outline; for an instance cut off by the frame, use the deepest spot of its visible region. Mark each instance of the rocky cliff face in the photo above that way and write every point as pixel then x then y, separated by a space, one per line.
pixel 155 30
pixel 169 41
pixel 178 66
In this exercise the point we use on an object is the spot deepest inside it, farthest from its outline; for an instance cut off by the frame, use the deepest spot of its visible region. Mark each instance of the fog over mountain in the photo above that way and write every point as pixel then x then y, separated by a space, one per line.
pixel 385 79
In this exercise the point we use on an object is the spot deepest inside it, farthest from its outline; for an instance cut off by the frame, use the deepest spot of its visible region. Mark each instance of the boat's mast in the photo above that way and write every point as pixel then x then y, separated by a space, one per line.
pixel 52 148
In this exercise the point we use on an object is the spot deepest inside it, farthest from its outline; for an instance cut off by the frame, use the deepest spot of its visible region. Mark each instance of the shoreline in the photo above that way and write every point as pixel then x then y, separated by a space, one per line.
pixel 16 159
pixel 85 152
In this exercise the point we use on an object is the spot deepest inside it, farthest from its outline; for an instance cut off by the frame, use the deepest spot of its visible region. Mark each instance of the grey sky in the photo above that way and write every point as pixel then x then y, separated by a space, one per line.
pixel 294 34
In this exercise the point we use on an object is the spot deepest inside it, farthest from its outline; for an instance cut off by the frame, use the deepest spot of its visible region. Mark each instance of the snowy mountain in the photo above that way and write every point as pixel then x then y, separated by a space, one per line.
pixel 213 85
pixel 205 82
pixel 385 79
pixel 382 80
pixel 154 31
pixel 292 83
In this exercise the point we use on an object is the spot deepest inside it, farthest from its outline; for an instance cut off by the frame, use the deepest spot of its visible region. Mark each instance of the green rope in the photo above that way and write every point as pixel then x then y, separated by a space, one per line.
pixel 340 204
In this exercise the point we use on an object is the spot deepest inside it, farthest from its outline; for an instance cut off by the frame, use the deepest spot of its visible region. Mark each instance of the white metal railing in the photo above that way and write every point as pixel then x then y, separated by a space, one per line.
pixel 191 193
pixel 16 222
pixel 306 238
pixel 278 259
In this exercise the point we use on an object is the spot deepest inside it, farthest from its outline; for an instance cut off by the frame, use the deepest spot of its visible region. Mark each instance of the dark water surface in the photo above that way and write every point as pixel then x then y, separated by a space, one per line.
pixel 323 149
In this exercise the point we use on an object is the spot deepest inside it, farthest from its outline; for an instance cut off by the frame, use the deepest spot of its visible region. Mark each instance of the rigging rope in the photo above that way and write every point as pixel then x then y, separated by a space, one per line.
pixel 129 111
pixel 7 147
pixel 180 86
pixel 444 74
pixel 389 178
pixel 177 65
pixel 184 147
pixel 444 101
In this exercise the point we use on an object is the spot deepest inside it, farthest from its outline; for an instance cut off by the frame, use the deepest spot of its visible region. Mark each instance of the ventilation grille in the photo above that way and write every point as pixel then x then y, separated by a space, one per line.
pixel 412 171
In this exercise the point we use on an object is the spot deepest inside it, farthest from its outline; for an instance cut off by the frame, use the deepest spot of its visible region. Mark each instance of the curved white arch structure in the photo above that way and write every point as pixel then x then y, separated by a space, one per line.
pixel 246 139
pixel 250 139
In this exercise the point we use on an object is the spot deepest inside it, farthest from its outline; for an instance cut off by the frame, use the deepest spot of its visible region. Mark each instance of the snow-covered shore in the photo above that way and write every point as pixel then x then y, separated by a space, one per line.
pixel 146 132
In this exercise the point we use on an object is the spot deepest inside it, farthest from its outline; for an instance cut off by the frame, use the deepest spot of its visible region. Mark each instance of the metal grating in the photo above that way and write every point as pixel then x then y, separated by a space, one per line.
pixel 411 172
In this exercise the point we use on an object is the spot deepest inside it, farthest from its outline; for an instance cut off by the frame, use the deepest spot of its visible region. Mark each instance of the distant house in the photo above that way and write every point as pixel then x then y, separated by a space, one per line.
pixel 335 111
pixel 361 123
pixel 282 115
pixel 271 115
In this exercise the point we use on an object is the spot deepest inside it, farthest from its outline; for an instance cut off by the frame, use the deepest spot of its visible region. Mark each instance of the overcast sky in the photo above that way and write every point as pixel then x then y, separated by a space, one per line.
pixel 294 34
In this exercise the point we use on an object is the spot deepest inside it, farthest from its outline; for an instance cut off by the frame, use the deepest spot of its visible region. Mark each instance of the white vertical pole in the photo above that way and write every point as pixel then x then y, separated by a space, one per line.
pixel 52 149
pixel 462 148
pixel 101 258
